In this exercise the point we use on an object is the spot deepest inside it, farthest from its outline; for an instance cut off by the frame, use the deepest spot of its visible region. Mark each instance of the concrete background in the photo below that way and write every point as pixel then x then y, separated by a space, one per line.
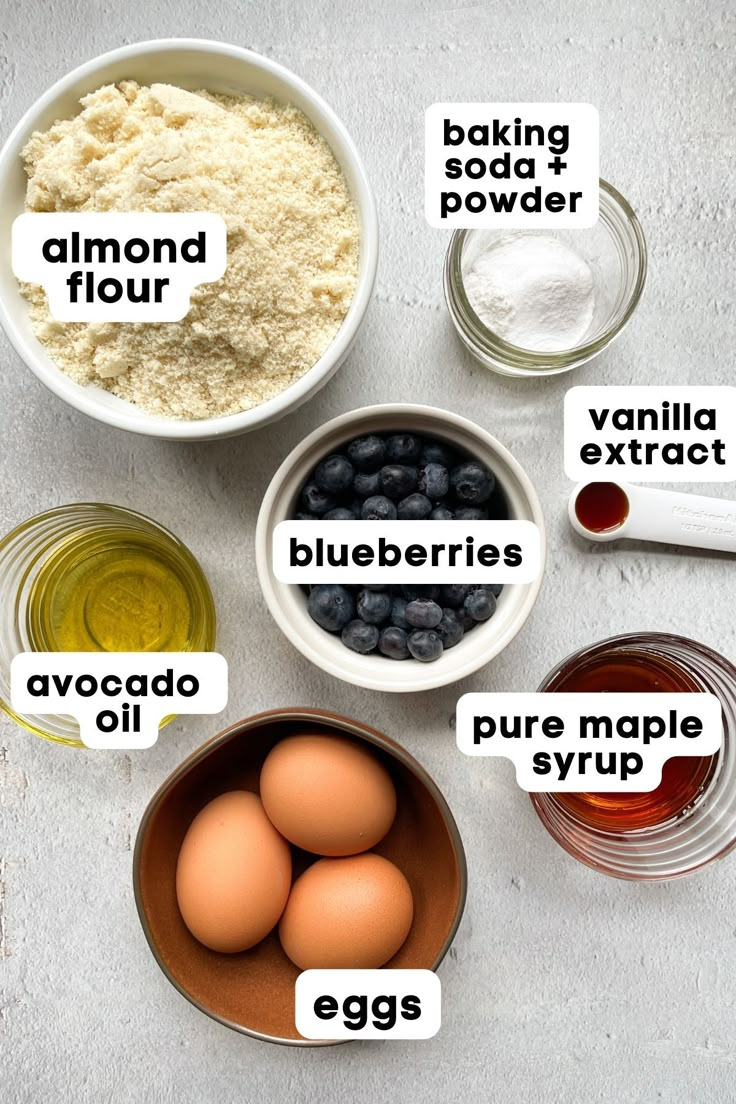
pixel 562 986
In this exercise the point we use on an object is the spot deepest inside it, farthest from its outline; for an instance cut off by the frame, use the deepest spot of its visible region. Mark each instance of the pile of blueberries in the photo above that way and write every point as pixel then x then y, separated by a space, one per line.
pixel 382 478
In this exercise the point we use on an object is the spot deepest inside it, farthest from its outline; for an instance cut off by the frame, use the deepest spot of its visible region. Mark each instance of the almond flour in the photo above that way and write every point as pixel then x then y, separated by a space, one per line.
pixel 292 243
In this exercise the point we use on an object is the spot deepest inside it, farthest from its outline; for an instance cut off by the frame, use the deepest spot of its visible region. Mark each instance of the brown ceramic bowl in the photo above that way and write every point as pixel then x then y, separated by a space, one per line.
pixel 253 992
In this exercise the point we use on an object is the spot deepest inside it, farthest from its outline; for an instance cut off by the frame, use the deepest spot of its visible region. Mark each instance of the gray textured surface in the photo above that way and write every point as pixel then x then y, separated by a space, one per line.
pixel 562 986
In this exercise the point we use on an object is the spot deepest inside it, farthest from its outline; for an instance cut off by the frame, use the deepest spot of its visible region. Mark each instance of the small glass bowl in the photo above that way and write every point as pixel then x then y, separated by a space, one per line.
pixel 706 829
pixel 65 532
pixel 616 252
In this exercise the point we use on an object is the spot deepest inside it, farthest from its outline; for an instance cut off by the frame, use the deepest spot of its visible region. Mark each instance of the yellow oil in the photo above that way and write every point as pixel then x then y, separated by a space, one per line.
pixel 120 590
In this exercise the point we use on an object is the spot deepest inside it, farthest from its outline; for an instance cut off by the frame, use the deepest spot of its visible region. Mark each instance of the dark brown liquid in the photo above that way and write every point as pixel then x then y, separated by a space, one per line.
pixel 601 507
pixel 683 778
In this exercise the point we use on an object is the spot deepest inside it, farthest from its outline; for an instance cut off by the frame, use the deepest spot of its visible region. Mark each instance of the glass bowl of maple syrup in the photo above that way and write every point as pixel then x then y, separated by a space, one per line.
pixel 689 820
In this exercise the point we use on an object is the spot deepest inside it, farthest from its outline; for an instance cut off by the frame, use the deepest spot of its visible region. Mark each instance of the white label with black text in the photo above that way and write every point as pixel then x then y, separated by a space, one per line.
pixel 406 551
pixel 651 433
pixel 511 166
pixel 368 1004
pixel 605 743
pixel 118 698
pixel 119 266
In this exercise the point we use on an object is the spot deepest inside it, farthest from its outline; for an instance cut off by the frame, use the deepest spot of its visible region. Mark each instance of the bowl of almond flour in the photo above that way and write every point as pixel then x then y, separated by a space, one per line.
pixel 182 125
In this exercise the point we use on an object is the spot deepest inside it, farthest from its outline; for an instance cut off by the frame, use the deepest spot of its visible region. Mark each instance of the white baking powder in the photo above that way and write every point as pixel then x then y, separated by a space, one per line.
pixel 533 291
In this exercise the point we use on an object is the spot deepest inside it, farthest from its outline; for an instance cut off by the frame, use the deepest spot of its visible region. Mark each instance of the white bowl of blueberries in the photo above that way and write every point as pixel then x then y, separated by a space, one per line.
pixel 412 463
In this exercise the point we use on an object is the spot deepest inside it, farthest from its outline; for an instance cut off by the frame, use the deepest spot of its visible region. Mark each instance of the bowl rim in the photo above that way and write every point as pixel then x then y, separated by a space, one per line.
pixel 345 724
pixel 430 679
pixel 295 394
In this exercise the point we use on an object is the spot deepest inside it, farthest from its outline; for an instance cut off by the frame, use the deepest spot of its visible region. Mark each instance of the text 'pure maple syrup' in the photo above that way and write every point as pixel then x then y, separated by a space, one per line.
pixel 684 778
pixel 601 507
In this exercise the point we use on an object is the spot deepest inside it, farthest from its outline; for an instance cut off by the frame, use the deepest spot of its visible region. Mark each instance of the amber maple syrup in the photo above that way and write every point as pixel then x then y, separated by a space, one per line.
pixel 683 778
pixel 601 507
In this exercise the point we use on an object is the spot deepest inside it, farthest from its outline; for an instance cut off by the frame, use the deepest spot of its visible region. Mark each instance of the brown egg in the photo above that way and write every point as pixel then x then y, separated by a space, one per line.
pixel 234 873
pixel 328 794
pixel 351 913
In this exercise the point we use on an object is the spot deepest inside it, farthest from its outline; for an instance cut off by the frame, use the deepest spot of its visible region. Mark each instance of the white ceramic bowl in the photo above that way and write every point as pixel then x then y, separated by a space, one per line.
pixel 288 604
pixel 191 64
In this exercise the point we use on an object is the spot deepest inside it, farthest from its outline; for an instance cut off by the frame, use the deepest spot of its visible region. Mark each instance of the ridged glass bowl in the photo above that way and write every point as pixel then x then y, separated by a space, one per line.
pixel 701 833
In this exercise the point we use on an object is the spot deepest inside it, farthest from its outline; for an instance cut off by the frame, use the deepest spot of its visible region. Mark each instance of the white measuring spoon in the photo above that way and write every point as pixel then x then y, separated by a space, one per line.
pixel 645 513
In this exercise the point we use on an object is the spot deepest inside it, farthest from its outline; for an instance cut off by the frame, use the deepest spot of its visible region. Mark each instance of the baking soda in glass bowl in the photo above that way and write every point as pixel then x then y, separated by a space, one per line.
pixel 533 290
pixel 536 304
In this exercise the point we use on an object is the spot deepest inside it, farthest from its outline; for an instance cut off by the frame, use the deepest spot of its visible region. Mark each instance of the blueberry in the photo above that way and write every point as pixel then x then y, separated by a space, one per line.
pixel 367 484
pixel 316 501
pixel 420 590
pixel 360 637
pixel 497 506
pixel 334 474
pixel 392 642
pixel 398 612
pixel 403 448
pixel 472 483
pixel 423 613
pixel 435 452
pixel 450 629
pixel 398 480
pixel 331 606
pixel 441 513
pixel 415 507
pixel 300 516
pixel 378 508
pixel 434 481
pixel 468 622
pixel 367 454
pixel 471 513
pixel 340 513
pixel 373 606
pixel 454 594
pixel 425 645
pixel 495 589
pixel 480 604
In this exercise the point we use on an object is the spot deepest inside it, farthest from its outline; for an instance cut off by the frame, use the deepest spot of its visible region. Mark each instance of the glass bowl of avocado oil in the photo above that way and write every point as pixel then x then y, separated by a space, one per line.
pixel 90 577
